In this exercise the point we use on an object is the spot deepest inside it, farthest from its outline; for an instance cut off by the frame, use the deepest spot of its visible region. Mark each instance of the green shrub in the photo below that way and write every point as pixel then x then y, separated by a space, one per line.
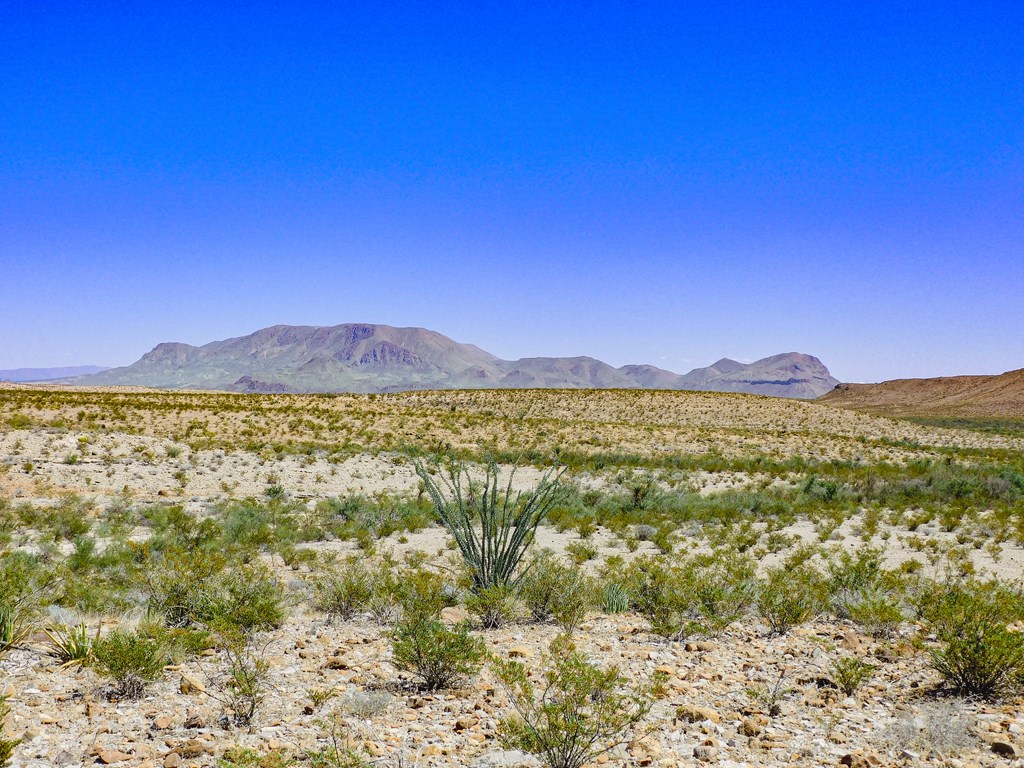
pixel 877 612
pixel 849 673
pixel 492 526
pixel 344 591
pixel 494 606
pixel 575 714
pixel 247 683
pixel 131 660
pixel 983 659
pixel 440 657
pixel 552 590
pixel 788 597
pixel 240 757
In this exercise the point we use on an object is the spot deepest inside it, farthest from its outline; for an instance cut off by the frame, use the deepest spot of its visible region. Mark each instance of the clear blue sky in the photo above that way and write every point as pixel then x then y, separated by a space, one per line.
pixel 641 182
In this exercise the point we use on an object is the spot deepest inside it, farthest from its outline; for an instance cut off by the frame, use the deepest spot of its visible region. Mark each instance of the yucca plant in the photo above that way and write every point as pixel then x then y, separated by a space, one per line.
pixel 71 645
pixel 492 525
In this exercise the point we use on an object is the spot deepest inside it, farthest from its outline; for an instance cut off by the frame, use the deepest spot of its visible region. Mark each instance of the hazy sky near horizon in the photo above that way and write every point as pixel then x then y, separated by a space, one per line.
pixel 639 182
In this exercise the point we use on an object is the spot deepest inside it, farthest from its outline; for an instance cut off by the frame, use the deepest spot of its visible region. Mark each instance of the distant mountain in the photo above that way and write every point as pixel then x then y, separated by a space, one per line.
pixel 380 358
pixel 49 374
pixel 997 396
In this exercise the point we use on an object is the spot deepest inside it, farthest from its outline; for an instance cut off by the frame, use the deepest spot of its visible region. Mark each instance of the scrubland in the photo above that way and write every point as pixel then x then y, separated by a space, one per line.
pixel 264 580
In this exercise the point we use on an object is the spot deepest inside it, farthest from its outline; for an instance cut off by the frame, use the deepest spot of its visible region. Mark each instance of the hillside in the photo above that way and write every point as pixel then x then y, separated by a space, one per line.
pixel 983 397
pixel 381 358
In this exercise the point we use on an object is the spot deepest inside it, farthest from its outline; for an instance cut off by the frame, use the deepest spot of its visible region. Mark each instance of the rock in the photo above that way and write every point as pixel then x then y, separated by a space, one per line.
pixel 465 723
pixel 1004 748
pixel 704 753
pixel 336 662
pixel 520 652
pixel 163 723
pixel 173 760
pixel 690 713
pixel 110 756
pixel 194 721
pixel 851 642
pixel 506 758
pixel 189 685
pixel 454 615
pixel 749 727
pixel 860 759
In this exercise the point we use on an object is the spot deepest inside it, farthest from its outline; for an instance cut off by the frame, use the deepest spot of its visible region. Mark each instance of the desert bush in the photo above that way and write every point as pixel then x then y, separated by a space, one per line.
pixel 878 612
pixel 492 526
pixel 191 588
pixel 441 657
pixel 494 606
pixel 984 659
pixel 788 597
pixel 131 660
pixel 345 590
pixel 578 712
pixel 240 757
pixel 552 590
pixel 980 655
pixel 247 682
pixel 849 673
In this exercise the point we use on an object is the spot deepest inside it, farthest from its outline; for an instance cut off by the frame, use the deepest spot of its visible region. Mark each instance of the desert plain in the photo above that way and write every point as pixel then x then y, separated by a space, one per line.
pixel 776 577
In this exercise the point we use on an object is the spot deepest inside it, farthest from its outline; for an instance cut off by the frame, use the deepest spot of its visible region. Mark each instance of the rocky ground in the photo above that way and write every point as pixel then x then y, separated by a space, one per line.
pixel 716 707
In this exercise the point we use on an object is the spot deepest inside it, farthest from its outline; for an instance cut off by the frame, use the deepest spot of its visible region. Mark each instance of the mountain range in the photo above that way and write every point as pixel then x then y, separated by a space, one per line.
pixel 360 357
pixel 48 374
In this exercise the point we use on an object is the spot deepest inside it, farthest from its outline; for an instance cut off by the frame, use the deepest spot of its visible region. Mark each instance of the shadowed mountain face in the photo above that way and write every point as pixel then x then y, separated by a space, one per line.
pixel 380 358
pixel 999 396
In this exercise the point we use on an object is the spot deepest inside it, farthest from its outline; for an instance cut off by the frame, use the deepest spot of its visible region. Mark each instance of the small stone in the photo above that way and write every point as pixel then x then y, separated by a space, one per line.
pixel 173 760
pixel 692 714
pixel 189 685
pixel 704 753
pixel 749 727
pixel 454 615
pixel 520 652
pixel 162 723
pixel 1004 748
pixel 336 662
pixel 464 723
pixel 109 756
pixel 851 642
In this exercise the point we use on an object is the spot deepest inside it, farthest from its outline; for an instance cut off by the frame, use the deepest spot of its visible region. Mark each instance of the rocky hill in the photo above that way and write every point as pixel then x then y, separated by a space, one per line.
pixel 358 357
pixel 997 396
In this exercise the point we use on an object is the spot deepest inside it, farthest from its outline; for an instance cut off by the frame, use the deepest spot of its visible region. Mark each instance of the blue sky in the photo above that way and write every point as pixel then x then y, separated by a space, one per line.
pixel 639 182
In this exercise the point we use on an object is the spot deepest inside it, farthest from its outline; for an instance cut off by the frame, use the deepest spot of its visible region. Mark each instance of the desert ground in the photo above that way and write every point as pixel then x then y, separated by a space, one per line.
pixel 780 580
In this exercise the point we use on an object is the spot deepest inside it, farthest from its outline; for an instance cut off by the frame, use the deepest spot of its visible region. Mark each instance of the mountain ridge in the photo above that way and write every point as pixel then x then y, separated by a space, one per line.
pixel 977 396
pixel 365 357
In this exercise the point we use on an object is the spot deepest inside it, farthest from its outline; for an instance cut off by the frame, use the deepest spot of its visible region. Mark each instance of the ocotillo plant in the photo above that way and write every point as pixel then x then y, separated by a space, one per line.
pixel 492 525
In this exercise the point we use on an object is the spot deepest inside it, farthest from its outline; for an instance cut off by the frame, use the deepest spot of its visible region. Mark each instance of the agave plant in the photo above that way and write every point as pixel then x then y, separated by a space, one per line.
pixel 71 645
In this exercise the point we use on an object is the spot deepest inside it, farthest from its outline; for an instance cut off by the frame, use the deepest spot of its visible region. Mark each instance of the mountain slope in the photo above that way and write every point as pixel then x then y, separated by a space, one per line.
pixel 359 357
pixel 997 396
